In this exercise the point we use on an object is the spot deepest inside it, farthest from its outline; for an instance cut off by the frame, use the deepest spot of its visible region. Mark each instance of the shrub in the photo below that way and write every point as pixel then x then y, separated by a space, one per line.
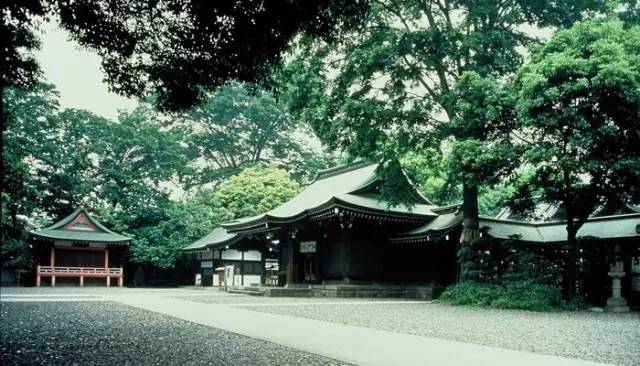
pixel 526 295
pixel 523 295
pixel 471 293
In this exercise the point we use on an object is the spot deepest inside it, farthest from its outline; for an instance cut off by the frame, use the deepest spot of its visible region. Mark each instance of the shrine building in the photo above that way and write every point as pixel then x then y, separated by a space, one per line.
pixel 340 237
pixel 79 248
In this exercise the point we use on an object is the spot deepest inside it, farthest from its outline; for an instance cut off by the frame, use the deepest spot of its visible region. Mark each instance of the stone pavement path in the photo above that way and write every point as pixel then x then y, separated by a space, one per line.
pixel 357 345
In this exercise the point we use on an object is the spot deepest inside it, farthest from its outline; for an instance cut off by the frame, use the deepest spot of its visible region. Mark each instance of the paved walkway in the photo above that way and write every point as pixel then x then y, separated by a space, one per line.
pixel 357 345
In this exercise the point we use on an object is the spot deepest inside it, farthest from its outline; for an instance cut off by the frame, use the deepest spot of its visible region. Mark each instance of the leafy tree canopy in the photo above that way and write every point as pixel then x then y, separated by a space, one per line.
pixel 175 47
pixel 239 126
pixel 255 190
pixel 419 72
pixel 579 99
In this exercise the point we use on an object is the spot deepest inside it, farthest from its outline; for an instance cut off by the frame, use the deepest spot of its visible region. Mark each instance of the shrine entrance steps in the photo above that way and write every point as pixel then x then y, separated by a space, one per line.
pixel 424 292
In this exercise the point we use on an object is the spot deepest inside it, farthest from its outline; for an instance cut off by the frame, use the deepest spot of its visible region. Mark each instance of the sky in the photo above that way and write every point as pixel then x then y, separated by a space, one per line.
pixel 77 75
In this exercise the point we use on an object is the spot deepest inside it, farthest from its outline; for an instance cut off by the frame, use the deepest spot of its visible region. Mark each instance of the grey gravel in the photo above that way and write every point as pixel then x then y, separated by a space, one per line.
pixel 106 333
pixel 231 299
pixel 602 337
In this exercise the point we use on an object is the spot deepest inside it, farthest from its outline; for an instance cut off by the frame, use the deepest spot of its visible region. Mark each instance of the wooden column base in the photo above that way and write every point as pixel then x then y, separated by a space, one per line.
pixel 38 281
pixel 108 281
pixel 53 281
pixel 81 281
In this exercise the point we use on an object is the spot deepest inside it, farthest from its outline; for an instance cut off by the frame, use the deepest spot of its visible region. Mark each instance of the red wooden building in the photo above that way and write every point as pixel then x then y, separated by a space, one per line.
pixel 79 247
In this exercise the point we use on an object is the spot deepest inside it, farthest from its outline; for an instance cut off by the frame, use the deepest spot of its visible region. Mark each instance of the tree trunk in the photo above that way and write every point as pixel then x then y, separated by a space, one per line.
pixel 470 220
pixel 570 269
pixel 470 226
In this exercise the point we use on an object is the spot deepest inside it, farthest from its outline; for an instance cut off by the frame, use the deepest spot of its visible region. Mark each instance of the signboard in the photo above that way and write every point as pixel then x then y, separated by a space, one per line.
pixel 308 246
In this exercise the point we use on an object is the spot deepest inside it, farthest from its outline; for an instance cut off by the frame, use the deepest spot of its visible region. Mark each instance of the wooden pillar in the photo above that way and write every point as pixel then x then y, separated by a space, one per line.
pixel 291 262
pixel 106 257
pixel 347 260
pixel 52 261
pixel 108 281
pixel 38 276
pixel 121 278
pixel 81 281
pixel 242 268
pixel 263 254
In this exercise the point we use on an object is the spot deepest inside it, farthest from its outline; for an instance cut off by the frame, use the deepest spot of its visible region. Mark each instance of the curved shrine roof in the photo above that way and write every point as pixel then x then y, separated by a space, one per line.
pixel 345 187
pixel 80 226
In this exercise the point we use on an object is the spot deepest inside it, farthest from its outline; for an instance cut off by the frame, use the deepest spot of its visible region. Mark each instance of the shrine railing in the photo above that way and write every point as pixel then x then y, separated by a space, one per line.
pixel 43 270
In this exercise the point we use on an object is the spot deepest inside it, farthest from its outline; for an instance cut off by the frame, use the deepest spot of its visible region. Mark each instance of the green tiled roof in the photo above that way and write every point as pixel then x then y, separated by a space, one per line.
pixel 218 238
pixel 434 229
pixel 347 186
pixel 59 231
pixel 605 227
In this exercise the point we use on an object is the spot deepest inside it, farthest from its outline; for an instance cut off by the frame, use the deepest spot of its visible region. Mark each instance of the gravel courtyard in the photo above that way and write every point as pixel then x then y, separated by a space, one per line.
pixel 106 333
pixel 602 337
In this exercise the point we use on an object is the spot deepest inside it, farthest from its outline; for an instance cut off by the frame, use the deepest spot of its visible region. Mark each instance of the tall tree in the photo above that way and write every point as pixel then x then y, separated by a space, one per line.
pixel 579 98
pixel 239 126
pixel 395 86
pixel 30 123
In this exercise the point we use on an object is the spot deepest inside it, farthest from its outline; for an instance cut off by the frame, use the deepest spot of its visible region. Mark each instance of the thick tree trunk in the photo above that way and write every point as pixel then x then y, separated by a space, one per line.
pixel 470 225
pixel 570 269
pixel 470 220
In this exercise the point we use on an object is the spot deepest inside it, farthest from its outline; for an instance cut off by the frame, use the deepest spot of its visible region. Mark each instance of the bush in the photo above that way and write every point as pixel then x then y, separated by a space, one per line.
pixel 523 295
pixel 471 293
pixel 527 295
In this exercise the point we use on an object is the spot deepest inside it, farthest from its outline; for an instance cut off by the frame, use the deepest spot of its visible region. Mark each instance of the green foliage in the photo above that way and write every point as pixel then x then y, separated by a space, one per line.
pixel 417 73
pixel 16 254
pixel 523 295
pixel 255 190
pixel 159 242
pixel 238 126
pixel 527 295
pixel 182 223
pixel 579 99
pixel 471 293
pixel 490 260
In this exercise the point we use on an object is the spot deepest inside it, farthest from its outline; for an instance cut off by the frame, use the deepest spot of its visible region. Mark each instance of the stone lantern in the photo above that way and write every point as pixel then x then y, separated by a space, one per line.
pixel 616 303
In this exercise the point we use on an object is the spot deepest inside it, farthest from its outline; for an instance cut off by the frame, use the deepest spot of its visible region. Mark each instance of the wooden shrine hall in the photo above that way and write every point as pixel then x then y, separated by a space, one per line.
pixel 79 247
pixel 339 233
pixel 336 231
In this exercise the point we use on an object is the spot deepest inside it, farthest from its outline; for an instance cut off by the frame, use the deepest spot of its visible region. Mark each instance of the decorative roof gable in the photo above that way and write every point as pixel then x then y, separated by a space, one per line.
pixel 80 226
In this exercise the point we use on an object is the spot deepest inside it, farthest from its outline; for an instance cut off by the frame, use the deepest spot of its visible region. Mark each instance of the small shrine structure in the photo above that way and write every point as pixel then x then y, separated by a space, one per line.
pixel 79 246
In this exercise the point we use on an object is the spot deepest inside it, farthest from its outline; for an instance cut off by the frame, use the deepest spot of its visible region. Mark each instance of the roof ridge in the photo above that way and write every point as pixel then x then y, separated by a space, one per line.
pixel 344 168
pixel 78 211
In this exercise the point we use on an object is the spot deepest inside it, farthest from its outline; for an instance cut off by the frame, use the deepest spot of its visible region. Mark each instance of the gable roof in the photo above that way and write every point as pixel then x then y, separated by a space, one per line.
pixel 351 186
pixel 507 226
pixel 80 226
pixel 218 238
pixel 604 227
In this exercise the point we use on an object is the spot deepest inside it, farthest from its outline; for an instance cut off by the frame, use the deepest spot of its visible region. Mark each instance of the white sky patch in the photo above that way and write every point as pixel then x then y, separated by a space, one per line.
pixel 77 75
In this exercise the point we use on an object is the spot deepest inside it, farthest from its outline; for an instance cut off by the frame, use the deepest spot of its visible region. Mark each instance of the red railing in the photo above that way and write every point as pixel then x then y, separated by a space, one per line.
pixel 96 271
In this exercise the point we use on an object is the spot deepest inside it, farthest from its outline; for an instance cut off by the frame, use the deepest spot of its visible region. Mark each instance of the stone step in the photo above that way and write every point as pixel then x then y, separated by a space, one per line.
pixel 246 292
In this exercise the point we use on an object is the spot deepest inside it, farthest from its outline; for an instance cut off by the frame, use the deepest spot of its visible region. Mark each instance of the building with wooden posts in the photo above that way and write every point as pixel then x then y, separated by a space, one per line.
pixel 220 249
pixel 79 248
pixel 339 236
